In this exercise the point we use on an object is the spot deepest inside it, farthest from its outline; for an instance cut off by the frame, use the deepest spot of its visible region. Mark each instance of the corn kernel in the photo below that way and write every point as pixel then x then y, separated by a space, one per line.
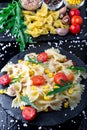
pixel 66 104
pixel 46 110
pixel 19 61
pixel 34 64
pixel 22 107
pixel 55 86
pixel 33 88
pixel 34 93
pixel 26 63
pixel 46 71
pixel 47 98
pixel 50 75
pixel 31 72
pixel 2 91
pixel 46 88
pixel 11 76
pixel 70 91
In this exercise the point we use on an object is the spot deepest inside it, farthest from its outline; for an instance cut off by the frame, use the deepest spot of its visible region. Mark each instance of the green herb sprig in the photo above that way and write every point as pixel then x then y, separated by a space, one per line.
pixel 77 68
pixel 61 88
pixel 34 60
pixel 26 99
pixel 11 18
pixel 16 79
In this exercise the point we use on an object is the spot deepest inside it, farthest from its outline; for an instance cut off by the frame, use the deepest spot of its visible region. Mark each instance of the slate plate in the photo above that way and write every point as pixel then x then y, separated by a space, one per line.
pixel 43 118
pixel 50 37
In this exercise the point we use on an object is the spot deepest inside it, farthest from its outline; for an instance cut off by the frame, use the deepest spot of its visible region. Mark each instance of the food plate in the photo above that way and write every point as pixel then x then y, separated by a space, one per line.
pixel 46 118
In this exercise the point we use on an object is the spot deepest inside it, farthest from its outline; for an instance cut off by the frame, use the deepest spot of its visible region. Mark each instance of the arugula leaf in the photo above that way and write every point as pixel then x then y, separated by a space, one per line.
pixel 77 68
pixel 11 18
pixel 61 88
pixel 34 60
pixel 26 99
pixel 16 79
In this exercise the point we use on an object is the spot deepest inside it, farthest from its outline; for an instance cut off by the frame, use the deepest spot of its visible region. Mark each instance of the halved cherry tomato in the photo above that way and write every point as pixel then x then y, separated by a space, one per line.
pixel 42 57
pixel 29 113
pixel 70 77
pixel 75 28
pixel 38 80
pixel 5 79
pixel 73 12
pixel 77 20
pixel 59 77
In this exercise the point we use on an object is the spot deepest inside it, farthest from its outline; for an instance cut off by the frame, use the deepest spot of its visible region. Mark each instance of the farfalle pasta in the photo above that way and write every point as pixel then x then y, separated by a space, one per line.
pixel 50 92
pixel 42 22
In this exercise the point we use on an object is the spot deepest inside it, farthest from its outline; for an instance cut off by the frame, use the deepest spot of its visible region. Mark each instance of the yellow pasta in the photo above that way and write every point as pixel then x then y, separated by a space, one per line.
pixel 42 22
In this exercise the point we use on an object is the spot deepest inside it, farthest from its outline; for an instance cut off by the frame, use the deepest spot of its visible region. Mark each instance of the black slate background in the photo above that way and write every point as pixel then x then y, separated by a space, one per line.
pixel 76 46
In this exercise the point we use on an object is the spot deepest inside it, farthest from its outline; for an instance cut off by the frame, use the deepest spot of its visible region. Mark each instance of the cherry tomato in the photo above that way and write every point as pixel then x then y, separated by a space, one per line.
pixel 38 80
pixel 73 12
pixel 29 113
pixel 59 77
pixel 75 28
pixel 70 77
pixel 5 79
pixel 76 20
pixel 42 57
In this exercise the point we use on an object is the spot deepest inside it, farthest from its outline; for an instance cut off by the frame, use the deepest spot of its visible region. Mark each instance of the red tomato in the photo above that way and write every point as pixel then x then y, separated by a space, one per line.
pixel 42 57
pixel 76 20
pixel 60 76
pixel 29 113
pixel 73 12
pixel 70 77
pixel 75 28
pixel 38 80
pixel 5 80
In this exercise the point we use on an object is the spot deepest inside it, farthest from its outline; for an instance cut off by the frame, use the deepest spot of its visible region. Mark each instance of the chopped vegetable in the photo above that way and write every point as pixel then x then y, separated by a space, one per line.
pixel 29 113
pixel 11 18
pixel 59 77
pixel 5 79
pixel 38 80
pixel 42 57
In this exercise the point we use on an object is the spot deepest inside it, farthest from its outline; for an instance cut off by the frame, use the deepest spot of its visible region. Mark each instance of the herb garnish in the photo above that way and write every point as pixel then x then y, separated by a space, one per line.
pixel 11 19
pixel 77 68
pixel 61 88
pixel 34 60
pixel 16 79
pixel 26 99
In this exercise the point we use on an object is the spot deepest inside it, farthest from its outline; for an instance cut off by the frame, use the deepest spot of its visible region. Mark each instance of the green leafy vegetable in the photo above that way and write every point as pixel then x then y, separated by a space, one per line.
pixel 61 88
pixel 34 60
pixel 11 18
pixel 26 99
pixel 16 79
pixel 77 68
